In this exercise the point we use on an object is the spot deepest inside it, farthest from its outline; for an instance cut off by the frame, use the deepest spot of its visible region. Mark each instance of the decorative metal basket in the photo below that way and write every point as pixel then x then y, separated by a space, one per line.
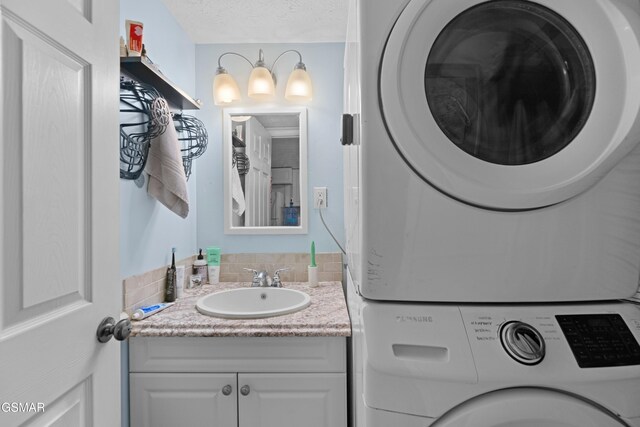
pixel 193 138
pixel 148 116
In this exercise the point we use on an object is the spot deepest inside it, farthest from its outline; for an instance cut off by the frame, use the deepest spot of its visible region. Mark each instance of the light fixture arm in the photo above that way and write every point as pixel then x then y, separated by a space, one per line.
pixel 233 53
pixel 299 65
pixel 260 62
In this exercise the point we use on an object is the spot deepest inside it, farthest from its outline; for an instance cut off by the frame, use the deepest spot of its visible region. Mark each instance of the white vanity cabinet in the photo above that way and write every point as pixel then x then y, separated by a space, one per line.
pixel 238 381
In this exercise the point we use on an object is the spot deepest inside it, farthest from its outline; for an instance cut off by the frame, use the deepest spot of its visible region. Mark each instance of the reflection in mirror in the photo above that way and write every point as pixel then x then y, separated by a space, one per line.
pixel 265 171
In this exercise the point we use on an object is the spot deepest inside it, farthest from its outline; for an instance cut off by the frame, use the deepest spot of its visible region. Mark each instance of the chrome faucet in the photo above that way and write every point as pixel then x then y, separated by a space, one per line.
pixel 260 278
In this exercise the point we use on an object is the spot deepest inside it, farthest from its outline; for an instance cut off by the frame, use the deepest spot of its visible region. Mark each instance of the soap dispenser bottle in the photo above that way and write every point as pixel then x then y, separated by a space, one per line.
pixel 200 267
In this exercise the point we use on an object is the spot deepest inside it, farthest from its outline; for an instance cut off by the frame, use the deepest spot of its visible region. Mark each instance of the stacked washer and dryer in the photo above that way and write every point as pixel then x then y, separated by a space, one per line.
pixel 492 197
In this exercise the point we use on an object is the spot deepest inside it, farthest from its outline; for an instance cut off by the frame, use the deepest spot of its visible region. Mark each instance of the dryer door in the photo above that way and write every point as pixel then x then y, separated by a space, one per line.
pixel 512 104
pixel 528 407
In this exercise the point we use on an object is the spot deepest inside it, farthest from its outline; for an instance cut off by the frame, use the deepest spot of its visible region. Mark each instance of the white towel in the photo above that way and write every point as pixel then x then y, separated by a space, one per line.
pixel 167 180
pixel 236 192
pixel 276 207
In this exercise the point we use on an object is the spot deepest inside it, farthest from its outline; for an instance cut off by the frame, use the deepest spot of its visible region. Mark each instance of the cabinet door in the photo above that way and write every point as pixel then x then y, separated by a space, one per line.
pixel 292 400
pixel 169 400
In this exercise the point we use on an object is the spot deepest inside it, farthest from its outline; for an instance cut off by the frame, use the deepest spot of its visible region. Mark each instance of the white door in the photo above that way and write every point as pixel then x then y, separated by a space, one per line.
pixel 292 400
pixel 258 179
pixel 58 215
pixel 177 399
pixel 512 105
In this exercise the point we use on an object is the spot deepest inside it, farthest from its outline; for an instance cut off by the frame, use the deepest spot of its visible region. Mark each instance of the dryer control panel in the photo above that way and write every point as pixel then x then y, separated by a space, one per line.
pixel 600 340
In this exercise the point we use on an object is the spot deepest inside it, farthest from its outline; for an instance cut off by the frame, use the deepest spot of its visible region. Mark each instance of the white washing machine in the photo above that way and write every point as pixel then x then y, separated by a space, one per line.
pixel 445 365
pixel 495 158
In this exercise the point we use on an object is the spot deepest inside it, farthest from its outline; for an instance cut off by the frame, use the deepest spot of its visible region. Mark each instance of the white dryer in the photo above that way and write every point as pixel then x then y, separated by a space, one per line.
pixel 497 155
pixel 442 365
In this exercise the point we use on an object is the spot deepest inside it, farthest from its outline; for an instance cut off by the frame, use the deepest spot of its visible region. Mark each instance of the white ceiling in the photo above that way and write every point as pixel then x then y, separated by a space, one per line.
pixel 261 21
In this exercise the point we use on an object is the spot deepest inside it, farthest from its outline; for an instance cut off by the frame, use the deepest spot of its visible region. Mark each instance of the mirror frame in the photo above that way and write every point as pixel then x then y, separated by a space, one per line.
pixel 226 144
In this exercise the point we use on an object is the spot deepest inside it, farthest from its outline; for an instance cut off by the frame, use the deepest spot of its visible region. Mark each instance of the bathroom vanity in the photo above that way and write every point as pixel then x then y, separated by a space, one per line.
pixel 190 369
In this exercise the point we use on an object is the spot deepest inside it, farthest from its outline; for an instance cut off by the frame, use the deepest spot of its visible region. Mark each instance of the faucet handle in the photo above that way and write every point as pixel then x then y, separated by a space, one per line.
pixel 256 279
pixel 276 277
pixel 255 272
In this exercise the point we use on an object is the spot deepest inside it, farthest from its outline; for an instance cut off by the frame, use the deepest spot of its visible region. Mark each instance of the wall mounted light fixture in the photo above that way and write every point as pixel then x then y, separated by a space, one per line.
pixel 262 81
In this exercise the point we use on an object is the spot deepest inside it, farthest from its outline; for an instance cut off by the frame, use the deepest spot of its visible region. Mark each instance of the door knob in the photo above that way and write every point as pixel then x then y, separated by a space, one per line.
pixel 245 390
pixel 109 328
pixel 226 390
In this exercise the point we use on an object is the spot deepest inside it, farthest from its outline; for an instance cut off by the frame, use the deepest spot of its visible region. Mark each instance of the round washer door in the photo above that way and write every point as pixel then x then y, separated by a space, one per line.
pixel 528 407
pixel 512 104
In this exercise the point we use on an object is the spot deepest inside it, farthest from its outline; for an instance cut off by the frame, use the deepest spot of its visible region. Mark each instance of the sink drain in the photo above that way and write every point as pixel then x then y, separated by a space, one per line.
pixel 263 296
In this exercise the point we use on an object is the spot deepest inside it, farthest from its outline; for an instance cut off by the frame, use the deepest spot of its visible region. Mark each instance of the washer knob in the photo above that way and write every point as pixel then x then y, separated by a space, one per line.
pixel 522 342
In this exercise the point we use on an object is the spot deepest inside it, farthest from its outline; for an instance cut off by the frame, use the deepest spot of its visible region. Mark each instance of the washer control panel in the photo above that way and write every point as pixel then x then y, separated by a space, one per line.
pixel 600 340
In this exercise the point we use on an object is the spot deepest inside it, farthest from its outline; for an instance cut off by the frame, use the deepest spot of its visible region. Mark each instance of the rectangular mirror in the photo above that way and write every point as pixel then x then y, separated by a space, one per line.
pixel 265 170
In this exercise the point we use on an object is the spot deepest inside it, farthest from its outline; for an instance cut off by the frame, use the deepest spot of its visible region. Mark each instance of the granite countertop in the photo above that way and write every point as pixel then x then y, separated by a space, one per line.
pixel 326 316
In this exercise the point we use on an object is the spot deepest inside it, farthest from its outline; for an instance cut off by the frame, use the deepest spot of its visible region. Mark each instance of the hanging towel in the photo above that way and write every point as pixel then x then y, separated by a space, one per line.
pixel 276 207
pixel 167 181
pixel 236 191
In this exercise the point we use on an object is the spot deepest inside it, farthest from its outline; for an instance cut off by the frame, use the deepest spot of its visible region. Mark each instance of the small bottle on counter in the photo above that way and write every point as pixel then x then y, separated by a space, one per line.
pixel 213 260
pixel 200 267
pixel 180 281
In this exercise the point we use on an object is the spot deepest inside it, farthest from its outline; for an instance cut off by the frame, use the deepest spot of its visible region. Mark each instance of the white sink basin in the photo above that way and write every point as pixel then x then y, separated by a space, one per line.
pixel 253 303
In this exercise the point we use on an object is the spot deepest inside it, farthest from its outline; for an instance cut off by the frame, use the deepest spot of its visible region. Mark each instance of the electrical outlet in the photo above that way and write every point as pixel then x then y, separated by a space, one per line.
pixel 320 197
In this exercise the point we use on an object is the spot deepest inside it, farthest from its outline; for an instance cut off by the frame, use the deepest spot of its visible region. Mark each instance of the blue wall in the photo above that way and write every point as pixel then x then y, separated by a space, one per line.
pixel 148 229
pixel 324 64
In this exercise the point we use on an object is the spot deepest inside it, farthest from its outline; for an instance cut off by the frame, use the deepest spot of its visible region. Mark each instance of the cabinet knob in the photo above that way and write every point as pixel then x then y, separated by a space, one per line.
pixel 245 390
pixel 226 390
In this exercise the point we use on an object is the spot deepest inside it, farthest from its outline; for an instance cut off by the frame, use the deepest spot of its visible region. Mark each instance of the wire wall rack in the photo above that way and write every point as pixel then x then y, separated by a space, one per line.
pixel 193 138
pixel 241 161
pixel 146 115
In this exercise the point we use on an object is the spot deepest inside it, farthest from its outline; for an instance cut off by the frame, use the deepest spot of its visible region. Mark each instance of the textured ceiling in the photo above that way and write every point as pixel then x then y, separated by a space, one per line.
pixel 261 21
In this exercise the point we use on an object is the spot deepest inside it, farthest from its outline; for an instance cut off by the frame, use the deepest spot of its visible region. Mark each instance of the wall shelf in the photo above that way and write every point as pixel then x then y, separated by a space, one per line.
pixel 146 72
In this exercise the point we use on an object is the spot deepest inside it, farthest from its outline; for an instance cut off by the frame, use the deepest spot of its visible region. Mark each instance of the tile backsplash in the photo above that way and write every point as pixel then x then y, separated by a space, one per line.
pixel 148 288
pixel 232 266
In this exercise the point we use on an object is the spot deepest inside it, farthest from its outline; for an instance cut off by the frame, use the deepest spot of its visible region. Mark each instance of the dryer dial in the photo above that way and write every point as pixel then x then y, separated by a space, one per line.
pixel 522 342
